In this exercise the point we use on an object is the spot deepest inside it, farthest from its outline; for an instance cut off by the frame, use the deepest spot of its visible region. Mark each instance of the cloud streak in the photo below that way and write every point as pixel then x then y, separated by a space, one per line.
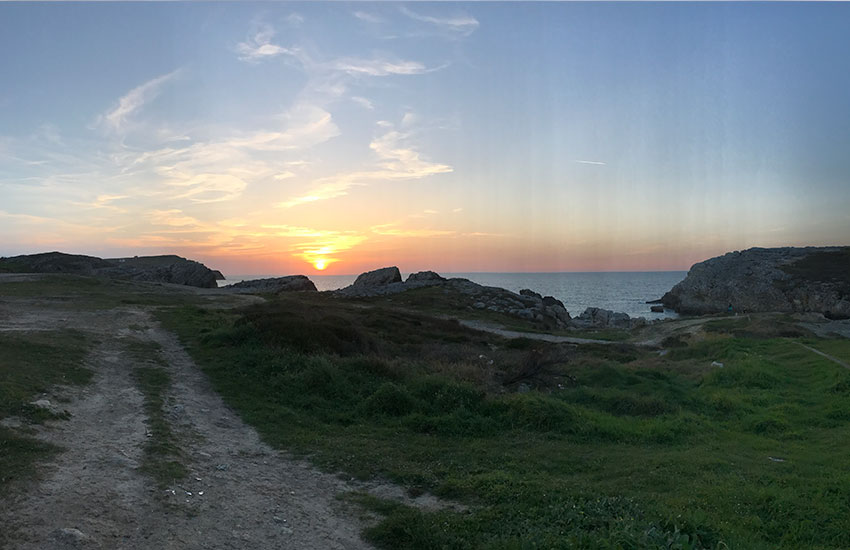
pixel 463 25
pixel 594 162
pixel 395 162
pixel 134 100
pixel 260 47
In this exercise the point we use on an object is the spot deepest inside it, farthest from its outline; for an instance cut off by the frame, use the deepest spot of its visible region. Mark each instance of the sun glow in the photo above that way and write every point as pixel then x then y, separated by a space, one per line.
pixel 320 264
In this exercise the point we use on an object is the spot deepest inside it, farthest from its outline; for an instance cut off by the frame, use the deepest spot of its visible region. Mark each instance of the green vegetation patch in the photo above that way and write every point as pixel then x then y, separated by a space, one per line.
pixel 164 459
pixel 30 364
pixel 595 446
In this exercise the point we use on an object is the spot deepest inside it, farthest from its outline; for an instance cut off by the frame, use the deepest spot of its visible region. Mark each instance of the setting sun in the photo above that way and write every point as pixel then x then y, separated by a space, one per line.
pixel 320 264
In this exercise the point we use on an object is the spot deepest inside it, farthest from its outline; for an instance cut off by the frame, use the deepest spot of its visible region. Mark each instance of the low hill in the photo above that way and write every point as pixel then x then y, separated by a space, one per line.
pixel 163 269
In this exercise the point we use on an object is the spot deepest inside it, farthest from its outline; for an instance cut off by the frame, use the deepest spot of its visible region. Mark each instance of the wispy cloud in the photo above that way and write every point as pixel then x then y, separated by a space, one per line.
pixel 363 102
pixel 595 162
pixel 134 100
pixel 463 25
pixel 260 47
pixel 295 19
pixel 377 66
pixel 395 162
pixel 368 17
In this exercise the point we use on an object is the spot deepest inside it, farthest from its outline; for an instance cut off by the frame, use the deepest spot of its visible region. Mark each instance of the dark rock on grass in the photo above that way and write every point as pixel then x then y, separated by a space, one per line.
pixel 767 279
pixel 291 283
pixel 160 269
pixel 527 305
pixel 378 277
pixel 424 276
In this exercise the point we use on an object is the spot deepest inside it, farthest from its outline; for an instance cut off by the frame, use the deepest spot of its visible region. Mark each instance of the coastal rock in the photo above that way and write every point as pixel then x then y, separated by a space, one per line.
pixel 767 279
pixel 378 277
pixel 160 269
pixel 424 276
pixel 527 305
pixel 605 318
pixel 656 309
pixel 530 294
pixel 275 285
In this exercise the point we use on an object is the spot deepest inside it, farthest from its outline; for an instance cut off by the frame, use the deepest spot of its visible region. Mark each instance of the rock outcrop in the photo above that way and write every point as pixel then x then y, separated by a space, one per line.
pixel 767 279
pixel 526 305
pixel 276 285
pixel 378 277
pixel 162 269
pixel 594 317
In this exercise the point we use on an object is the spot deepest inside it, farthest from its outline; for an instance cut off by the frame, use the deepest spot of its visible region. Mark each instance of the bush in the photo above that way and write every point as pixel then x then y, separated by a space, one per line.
pixel 390 400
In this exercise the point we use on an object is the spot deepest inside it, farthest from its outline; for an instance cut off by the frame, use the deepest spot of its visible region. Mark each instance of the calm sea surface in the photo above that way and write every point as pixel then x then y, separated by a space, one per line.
pixel 621 291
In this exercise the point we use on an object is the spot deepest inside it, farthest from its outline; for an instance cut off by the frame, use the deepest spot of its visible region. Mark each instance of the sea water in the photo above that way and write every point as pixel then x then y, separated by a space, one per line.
pixel 618 291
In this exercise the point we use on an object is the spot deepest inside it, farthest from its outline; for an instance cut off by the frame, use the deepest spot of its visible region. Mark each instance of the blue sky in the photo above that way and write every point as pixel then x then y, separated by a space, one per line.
pixel 287 137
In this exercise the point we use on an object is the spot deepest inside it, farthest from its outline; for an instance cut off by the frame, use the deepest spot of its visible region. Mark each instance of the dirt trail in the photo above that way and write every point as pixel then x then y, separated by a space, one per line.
pixel 657 332
pixel 240 493
pixel 826 355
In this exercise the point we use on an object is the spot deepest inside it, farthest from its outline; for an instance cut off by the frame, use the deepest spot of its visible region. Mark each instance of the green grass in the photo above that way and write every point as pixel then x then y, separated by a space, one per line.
pixel 163 459
pixel 30 364
pixel 613 446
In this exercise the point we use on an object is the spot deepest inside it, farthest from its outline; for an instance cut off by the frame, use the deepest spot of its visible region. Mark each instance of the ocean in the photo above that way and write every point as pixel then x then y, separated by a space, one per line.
pixel 618 291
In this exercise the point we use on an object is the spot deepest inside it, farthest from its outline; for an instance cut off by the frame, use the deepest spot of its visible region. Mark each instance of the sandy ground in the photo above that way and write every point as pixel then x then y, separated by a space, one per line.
pixel 240 492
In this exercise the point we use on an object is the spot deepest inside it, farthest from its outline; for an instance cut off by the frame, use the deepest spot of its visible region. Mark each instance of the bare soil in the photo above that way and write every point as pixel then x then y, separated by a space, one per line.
pixel 240 493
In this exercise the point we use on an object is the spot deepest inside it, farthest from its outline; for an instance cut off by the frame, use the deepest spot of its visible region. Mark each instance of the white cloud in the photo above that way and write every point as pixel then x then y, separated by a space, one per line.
pixel 595 162
pixel 295 19
pixel 134 100
pixel 363 102
pixel 377 67
pixel 368 17
pixel 260 47
pixel 409 119
pixel 463 25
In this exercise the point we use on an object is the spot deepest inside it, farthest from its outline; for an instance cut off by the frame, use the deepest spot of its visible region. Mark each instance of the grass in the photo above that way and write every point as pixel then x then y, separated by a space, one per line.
pixel 163 458
pixel 30 364
pixel 603 446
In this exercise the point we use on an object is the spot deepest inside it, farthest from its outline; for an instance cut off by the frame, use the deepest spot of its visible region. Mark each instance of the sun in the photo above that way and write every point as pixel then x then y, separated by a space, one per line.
pixel 320 264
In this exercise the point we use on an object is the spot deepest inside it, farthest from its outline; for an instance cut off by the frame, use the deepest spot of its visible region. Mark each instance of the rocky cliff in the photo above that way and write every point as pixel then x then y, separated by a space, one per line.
pixel 161 269
pixel 767 279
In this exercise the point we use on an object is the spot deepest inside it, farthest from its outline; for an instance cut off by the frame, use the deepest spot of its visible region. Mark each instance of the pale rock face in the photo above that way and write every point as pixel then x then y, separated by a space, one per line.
pixel 766 279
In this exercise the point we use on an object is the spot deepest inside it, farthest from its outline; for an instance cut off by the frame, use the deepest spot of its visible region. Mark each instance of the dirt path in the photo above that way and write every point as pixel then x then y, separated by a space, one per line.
pixel 240 493
pixel 659 332
pixel 826 355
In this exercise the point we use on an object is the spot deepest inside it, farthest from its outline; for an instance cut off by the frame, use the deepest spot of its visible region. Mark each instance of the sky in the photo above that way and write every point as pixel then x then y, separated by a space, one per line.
pixel 279 138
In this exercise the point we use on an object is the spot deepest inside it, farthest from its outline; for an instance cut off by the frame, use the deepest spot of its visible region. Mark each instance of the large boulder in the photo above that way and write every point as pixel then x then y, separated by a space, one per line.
pixel 767 279
pixel 276 285
pixel 378 277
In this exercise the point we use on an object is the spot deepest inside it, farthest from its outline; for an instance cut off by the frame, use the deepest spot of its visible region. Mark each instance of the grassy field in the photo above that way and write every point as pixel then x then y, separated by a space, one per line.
pixel 549 446
pixel 30 363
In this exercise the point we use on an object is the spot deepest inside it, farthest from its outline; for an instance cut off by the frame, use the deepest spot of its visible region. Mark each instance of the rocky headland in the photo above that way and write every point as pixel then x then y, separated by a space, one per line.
pixel 161 269
pixel 811 279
